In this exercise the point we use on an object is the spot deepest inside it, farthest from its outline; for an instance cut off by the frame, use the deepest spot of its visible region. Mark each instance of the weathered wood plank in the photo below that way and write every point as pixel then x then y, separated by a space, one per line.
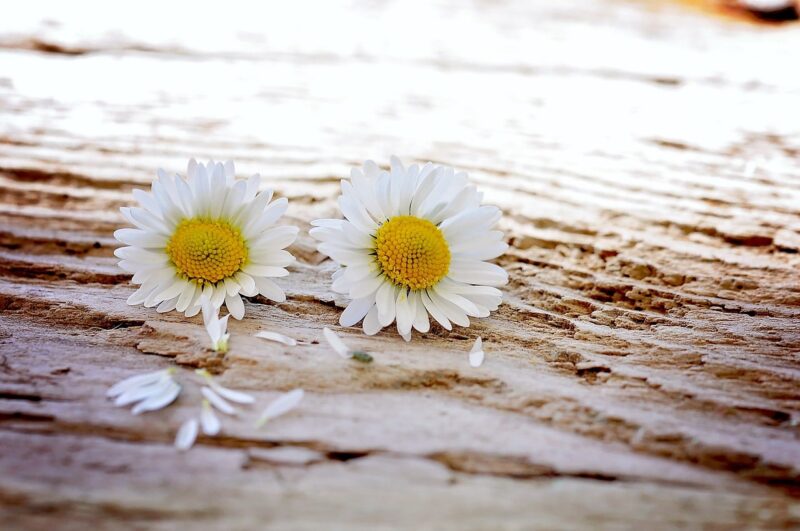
pixel 644 367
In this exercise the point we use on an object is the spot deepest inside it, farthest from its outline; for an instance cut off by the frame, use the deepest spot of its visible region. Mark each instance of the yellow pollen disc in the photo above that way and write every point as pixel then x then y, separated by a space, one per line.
pixel 412 252
pixel 206 250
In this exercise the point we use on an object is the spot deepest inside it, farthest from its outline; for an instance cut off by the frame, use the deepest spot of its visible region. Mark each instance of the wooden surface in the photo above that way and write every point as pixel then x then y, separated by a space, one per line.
pixel 643 371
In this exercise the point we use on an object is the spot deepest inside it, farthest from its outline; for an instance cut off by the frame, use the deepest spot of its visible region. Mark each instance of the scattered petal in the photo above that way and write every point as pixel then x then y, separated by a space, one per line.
pixel 186 435
pixel 217 401
pixel 275 336
pixel 137 394
pixel 216 327
pixel 280 406
pixel 336 343
pixel 476 354
pixel 209 420
pixel 137 380
pixel 230 394
pixel 159 401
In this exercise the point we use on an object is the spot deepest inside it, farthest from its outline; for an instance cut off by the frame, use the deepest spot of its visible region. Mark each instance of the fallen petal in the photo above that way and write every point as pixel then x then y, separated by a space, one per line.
pixel 275 336
pixel 144 392
pixel 186 435
pixel 217 401
pixel 159 401
pixel 281 405
pixel 137 380
pixel 476 354
pixel 224 392
pixel 336 342
pixel 209 420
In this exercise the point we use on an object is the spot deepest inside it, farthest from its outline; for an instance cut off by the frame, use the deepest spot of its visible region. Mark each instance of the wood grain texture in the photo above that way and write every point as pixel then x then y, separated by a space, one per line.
pixel 644 369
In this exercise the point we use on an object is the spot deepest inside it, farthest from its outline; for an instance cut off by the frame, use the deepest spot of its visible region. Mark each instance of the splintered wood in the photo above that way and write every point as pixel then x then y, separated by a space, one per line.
pixel 643 370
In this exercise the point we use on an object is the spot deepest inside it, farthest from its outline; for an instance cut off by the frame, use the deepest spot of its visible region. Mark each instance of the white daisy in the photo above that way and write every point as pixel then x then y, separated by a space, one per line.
pixel 414 242
pixel 210 235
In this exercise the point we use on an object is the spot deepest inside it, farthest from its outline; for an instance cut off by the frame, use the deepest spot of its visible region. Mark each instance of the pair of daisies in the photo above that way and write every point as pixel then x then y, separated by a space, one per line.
pixel 413 246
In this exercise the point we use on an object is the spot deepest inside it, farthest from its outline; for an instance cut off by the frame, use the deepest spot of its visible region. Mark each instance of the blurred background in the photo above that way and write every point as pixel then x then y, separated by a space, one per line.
pixel 320 85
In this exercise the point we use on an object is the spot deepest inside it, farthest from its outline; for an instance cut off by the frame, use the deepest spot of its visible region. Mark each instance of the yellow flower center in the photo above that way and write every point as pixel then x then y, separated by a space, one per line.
pixel 206 250
pixel 412 252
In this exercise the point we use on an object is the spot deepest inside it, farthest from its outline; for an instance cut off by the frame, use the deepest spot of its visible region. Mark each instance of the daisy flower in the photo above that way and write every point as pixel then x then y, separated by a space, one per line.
pixel 414 243
pixel 209 235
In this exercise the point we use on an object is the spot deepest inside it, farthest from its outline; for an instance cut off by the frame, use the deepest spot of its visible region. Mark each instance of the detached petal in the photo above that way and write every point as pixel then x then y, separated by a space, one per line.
pixel 137 380
pixel 209 420
pixel 159 401
pixel 281 405
pixel 230 394
pixel 186 435
pixel 275 336
pixel 336 343
pixel 217 401
pixel 476 354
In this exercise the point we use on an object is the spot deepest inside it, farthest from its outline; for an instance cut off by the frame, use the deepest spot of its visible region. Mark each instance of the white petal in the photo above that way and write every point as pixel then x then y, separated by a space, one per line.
pixel 356 311
pixel 140 238
pixel 186 296
pixel 209 420
pixel 173 290
pixel 385 300
pixel 230 394
pixel 345 255
pixel 159 401
pixel 356 214
pixel 269 289
pixel 275 336
pixel 266 218
pixel 371 325
pixel 217 401
pixel 167 306
pixel 258 270
pixel 186 435
pixel 231 286
pixel 142 256
pixel 405 317
pixel 218 297
pixel 476 272
pixel 235 306
pixel 143 392
pixel 450 310
pixel 421 321
pixel 366 287
pixel 137 380
pixel 247 283
pixel 272 257
pixel 466 305
pixel 435 312
pixel 281 405
pixel 476 354
pixel 336 343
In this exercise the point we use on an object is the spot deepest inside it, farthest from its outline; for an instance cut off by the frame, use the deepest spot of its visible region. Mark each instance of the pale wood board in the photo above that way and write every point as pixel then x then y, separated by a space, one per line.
pixel 643 371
